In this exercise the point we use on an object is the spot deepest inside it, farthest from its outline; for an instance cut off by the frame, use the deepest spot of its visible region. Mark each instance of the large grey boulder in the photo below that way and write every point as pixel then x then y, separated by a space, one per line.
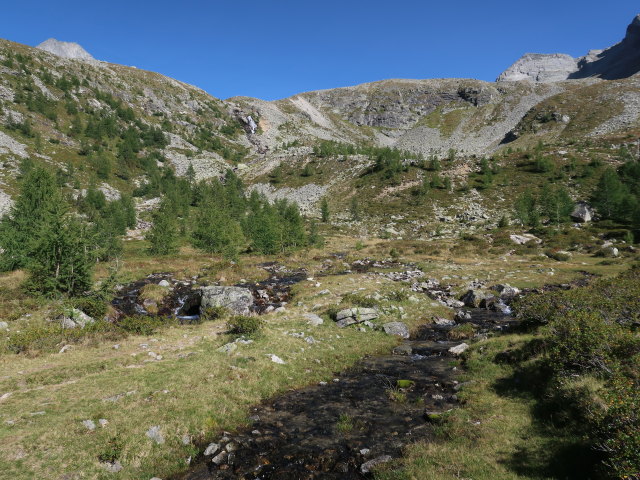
pixel 351 316
pixel 237 300
pixel 396 328
pixel 582 213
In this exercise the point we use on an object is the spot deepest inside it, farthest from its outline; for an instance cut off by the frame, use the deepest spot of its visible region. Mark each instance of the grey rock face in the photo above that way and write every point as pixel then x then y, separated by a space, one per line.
pixel 236 299
pixel 619 61
pixel 65 49
pixel 538 67
pixel 396 328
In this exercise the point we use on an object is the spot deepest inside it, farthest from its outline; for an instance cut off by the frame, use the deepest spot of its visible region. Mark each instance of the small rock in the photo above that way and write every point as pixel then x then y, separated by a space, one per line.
pixel 313 319
pixel 220 458
pixel 89 425
pixel 459 349
pixel 364 452
pixel 211 449
pixel 4 326
pixel 103 422
pixel 231 447
pixel 155 434
pixel 371 464
pixel 186 439
pixel 64 349
pixel 229 348
pixel 164 283
pixel 443 321
pixel 276 359
pixel 112 467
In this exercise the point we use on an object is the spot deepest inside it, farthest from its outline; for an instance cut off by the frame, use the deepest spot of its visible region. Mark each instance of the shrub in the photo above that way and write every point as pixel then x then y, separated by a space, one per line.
pixel 558 255
pixel 141 324
pixel 92 305
pixel 243 325
pixel 618 428
pixel 213 313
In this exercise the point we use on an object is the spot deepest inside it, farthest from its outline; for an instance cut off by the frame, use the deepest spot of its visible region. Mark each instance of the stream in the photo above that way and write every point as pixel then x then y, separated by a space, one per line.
pixel 332 430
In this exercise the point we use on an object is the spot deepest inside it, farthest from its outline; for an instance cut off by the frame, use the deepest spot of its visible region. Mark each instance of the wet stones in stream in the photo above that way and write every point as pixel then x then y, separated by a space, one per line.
pixel 334 429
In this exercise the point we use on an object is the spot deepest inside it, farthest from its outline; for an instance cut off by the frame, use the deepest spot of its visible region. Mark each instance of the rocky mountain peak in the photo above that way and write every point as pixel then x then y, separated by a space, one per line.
pixel 619 61
pixel 65 49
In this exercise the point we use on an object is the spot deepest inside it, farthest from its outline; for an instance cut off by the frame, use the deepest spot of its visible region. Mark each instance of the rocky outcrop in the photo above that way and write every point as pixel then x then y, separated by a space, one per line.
pixel 619 61
pixel 65 49
pixel 538 67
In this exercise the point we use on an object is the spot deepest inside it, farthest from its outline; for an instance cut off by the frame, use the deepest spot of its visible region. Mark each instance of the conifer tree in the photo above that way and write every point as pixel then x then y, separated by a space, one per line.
pixel 59 261
pixel 324 210
pixel 217 232
pixel 163 235
pixel 39 196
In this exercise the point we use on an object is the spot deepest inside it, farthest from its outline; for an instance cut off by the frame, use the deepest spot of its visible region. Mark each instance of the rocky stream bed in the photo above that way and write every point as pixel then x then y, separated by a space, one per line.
pixel 365 416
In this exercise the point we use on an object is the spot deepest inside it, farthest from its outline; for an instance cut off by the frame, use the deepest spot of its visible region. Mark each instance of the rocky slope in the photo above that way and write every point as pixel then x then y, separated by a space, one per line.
pixel 77 116
pixel 619 61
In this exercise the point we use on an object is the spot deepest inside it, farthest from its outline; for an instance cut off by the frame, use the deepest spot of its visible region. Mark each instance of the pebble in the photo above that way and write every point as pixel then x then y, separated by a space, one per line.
pixel 212 449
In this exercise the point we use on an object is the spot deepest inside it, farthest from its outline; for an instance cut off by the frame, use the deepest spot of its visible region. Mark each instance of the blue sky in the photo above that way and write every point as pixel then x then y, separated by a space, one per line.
pixel 274 48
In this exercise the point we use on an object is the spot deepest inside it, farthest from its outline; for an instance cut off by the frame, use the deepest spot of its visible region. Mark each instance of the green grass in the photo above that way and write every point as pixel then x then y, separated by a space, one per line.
pixel 497 433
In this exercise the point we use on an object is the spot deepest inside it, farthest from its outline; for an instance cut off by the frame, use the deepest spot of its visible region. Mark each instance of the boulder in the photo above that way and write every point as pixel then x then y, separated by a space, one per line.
pixel 313 319
pixel 351 316
pixel 75 319
pixel 459 349
pixel 235 299
pixel 524 239
pixel 474 298
pixel 582 213
pixel 396 328
pixel 507 292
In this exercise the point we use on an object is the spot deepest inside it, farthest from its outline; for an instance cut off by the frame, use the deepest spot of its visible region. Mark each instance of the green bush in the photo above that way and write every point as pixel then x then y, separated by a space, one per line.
pixel 618 428
pixel 558 255
pixel 93 306
pixel 243 325
pixel 141 324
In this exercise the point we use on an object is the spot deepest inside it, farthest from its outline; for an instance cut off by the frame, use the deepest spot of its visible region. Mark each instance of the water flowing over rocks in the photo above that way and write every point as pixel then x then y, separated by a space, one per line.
pixel 342 429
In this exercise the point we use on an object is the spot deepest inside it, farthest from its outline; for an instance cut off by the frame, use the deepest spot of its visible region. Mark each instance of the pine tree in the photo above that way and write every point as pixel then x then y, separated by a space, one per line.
pixel 324 210
pixel 59 261
pixel 526 209
pixel 216 232
pixel 163 235
pixel 556 204
pixel 39 196
pixel 609 194
pixel 354 209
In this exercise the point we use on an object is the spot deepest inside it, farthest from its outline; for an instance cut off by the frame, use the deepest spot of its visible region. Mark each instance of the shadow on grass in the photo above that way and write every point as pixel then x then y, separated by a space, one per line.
pixel 555 445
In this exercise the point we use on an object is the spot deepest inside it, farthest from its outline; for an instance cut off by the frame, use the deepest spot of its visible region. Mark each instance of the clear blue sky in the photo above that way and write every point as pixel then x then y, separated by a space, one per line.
pixel 274 48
